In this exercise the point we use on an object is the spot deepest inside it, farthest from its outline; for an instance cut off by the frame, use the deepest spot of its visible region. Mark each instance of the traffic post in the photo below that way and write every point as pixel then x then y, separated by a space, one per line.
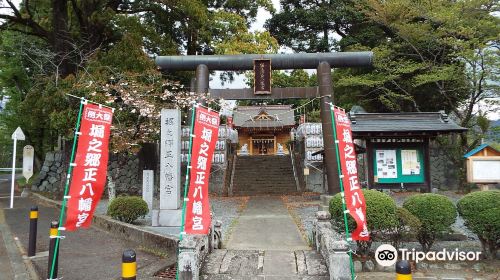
pixel 403 270
pixel 129 265
pixel 53 251
pixel 33 231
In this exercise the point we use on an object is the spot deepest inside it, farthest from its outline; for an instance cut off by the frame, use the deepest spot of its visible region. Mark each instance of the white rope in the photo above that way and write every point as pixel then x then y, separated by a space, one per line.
pixel 299 108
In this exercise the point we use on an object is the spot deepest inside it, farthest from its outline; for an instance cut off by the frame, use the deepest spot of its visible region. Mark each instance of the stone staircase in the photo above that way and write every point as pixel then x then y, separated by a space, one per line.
pixel 255 175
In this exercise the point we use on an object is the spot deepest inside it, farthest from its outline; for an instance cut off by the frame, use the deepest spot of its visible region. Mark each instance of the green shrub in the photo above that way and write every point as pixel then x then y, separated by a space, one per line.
pixel 127 208
pixel 380 214
pixel 481 212
pixel 407 227
pixel 436 213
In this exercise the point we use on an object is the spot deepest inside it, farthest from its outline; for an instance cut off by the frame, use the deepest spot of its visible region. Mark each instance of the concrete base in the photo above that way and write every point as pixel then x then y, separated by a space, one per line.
pixel 325 202
pixel 166 218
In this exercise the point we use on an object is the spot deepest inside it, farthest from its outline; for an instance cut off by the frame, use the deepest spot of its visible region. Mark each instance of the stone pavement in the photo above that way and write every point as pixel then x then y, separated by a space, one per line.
pixel 84 254
pixel 265 224
pixel 265 244
pixel 255 264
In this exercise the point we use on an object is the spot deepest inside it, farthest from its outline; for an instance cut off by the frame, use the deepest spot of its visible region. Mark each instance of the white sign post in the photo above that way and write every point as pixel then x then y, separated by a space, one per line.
pixel 28 158
pixel 17 135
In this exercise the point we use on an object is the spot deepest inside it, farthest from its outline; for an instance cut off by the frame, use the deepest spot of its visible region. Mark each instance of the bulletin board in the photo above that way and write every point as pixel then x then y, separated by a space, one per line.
pixel 398 165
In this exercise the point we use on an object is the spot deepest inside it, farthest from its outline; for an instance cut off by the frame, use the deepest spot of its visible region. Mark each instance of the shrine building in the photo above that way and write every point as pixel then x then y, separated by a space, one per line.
pixel 264 129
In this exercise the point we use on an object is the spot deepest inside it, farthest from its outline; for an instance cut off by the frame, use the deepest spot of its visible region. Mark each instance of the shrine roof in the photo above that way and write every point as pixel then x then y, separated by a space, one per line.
pixel 267 116
pixel 418 122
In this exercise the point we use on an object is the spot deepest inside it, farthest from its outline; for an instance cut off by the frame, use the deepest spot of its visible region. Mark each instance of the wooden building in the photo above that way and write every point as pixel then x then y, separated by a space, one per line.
pixel 397 146
pixel 263 129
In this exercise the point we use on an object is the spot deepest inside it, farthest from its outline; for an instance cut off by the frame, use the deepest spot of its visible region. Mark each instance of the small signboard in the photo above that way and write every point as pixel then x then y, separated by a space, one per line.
pixel 262 76
pixel 28 156
pixel 18 134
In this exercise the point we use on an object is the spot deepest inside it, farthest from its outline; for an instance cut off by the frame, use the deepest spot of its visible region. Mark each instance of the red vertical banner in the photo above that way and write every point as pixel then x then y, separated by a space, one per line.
pixel 354 198
pixel 91 165
pixel 206 130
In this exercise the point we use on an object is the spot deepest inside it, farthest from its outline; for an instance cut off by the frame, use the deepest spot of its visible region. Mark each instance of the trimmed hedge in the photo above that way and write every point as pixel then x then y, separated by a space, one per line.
pixel 481 212
pixel 127 208
pixel 436 213
pixel 474 203
pixel 380 211
pixel 407 227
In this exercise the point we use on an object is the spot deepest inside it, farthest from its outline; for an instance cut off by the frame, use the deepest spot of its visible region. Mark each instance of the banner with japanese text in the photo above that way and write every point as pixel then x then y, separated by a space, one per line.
pixel 206 129
pixel 91 164
pixel 354 198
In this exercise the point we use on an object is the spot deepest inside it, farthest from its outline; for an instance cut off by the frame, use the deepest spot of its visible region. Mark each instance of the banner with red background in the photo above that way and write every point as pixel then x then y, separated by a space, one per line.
pixel 89 174
pixel 206 130
pixel 354 198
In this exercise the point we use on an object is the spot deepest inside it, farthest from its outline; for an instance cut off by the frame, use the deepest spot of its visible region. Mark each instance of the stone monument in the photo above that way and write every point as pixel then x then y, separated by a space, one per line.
pixel 169 212
pixel 148 187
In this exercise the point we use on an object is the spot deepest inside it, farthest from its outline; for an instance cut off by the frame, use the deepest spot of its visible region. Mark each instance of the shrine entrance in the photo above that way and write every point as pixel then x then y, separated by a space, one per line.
pixel 263 145
pixel 262 65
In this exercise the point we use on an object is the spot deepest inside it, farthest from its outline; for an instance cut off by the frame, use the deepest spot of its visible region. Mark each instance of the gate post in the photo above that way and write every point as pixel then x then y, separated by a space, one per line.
pixel 202 79
pixel 326 91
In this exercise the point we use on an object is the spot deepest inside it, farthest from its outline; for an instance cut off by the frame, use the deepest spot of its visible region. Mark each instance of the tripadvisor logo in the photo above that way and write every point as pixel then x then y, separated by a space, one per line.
pixel 387 255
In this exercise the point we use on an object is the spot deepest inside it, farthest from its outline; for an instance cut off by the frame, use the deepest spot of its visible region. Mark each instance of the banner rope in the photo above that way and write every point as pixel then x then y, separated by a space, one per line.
pixel 68 178
pixel 344 208
pixel 186 184
pixel 88 101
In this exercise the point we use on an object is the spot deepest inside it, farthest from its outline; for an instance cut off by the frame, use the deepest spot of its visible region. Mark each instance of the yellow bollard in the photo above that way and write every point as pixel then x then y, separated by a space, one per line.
pixel 53 261
pixel 129 265
pixel 33 231
pixel 403 270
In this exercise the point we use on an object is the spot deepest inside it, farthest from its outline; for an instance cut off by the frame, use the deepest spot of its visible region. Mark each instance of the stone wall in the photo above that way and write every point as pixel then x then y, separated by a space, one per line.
pixel 444 174
pixel 51 174
pixel 124 170
pixel 330 245
pixel 315 181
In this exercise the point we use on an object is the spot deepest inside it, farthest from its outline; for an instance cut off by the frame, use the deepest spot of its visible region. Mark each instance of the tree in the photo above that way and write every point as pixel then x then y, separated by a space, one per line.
pixel 102 50
pixel 309 26
pixel 454 46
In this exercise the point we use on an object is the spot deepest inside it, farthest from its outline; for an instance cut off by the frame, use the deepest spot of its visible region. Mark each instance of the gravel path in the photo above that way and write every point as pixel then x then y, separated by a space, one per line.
pixel 227 210
pixel 303 210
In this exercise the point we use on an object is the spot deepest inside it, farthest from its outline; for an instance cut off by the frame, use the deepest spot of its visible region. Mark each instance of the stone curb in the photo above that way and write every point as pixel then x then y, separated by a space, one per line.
pixel 130 232
pixel 21 266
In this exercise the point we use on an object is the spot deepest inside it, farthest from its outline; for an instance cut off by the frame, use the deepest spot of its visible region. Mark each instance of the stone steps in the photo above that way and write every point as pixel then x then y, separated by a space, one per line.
pixel 263 175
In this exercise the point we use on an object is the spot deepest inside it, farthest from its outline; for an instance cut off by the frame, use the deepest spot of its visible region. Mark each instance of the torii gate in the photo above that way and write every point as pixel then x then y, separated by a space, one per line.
pixel 320 61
